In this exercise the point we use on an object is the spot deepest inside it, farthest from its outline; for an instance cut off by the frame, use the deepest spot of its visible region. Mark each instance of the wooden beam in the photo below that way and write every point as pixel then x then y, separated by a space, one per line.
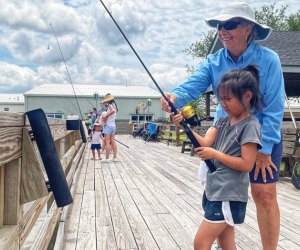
pixel 47 228
pixel 11 119
pixel 12 192
pixel 1 194
pixel 9 237
pixel 33 184
pixel 30 217
pixel 10 144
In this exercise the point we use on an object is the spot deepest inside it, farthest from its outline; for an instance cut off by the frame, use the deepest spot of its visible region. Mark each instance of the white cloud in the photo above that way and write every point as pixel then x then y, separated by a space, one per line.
pixel 94 50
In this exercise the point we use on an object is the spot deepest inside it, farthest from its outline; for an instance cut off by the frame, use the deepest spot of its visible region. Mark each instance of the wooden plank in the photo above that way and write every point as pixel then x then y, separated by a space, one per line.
pixel 182 238
pixel 76 164
pixel 12 193
pixel 9 119
pixel 47 228
pixel 9 237
pixel 140 230
pixel 161 235
pixel 2 173
pixel 33 184
pixel 10 144
pixel 72 180
pixel 30 217
pixel 289 137
pixel 72 224
pixel 86 227
pixel 158 193
pixel 58 128
pixel 156 183
pixel 104 228
pixel 123 233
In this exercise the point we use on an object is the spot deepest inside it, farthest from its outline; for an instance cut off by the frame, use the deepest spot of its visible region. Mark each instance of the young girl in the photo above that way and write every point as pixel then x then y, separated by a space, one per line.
pixel 95 138
pixel 231 144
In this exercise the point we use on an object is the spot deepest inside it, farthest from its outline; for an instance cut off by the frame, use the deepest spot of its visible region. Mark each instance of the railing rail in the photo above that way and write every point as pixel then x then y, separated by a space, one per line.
pixel 21 187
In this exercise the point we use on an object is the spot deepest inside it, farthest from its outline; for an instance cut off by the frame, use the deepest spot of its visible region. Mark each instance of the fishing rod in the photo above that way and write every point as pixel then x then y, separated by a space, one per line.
pixel 122 143
pixel 183 123
pixel 62 56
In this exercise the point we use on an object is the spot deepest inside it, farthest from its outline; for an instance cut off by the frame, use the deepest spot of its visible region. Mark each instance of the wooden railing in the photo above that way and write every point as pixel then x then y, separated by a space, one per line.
pixel 23 192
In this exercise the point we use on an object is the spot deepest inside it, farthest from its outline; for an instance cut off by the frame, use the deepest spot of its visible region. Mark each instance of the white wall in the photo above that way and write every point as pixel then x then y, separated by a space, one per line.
pixel 68 105
pixel 15 108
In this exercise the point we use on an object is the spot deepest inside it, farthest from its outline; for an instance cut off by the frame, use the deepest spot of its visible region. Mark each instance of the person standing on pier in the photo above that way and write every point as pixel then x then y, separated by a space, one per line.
pixel 95 139
pixel 232 145
pixel 109 130
pixel 238 30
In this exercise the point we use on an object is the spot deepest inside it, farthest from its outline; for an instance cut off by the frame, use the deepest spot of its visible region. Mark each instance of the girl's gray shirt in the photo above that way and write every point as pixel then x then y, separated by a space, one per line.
pixel 227 184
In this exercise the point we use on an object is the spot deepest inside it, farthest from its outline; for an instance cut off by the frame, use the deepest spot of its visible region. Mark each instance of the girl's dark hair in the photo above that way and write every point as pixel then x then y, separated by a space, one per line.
pixel 239 81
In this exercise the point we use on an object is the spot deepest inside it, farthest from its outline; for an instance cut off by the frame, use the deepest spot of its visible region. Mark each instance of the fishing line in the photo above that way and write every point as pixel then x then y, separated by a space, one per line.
pixel 62 56
pixel 92 105
pixel 71 79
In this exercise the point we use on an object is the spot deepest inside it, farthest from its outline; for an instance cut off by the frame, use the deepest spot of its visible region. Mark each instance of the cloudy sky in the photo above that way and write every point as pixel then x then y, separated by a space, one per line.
pixel 92 46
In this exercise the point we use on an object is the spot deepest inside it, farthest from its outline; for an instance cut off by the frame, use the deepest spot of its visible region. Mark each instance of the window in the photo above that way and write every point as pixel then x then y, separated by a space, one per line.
pixel 57 116
pixel 6 109
pixel 134 118
pixel 141 118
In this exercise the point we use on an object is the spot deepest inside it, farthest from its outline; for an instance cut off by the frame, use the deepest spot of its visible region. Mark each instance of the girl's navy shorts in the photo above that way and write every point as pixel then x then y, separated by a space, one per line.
pixel 214 213
pixel 95 146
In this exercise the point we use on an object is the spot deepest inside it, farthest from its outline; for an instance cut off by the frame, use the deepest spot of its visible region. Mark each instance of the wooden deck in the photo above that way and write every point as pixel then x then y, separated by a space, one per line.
pixel 151 199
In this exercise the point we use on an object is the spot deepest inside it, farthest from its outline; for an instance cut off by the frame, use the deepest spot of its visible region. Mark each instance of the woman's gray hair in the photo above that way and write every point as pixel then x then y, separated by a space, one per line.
pixel 253 33
pixel 252 36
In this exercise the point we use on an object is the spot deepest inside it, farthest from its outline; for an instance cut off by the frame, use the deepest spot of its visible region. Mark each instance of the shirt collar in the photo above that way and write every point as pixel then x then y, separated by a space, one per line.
pixel 245 56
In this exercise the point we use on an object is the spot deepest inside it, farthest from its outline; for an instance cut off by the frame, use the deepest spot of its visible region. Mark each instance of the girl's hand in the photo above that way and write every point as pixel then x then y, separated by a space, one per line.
pixel 176 119
pixel 205 153
pixel 164 104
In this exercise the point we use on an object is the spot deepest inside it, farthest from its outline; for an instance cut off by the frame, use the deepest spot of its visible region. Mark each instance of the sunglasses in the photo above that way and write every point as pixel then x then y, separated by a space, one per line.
pixel 228 25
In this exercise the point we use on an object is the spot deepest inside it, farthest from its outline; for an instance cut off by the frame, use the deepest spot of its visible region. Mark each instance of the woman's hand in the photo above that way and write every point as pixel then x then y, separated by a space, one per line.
pixel 265 165
pixel 164 104
pixel 205 153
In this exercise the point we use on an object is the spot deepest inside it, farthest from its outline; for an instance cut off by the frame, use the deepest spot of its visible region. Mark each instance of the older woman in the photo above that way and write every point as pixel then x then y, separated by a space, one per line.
pixel 237 29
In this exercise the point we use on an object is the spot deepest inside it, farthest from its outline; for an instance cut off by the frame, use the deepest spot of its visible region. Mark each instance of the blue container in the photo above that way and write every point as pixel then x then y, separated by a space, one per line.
pixel 73 122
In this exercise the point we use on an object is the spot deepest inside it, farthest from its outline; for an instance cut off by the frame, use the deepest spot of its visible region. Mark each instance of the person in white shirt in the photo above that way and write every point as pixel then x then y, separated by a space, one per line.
pixel 95 139
pixel 109 130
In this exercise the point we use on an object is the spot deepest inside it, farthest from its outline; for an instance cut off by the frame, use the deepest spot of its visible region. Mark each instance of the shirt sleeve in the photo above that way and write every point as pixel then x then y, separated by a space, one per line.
pixel 252 133
pixel 195 86
pixel 273 106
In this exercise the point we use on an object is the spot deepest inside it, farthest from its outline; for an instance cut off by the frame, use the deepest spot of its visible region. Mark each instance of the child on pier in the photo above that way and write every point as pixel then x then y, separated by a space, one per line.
pixel 231 144
pixel 95 139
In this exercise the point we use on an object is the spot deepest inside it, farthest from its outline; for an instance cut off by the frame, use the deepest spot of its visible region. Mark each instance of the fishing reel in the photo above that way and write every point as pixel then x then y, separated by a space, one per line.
pixel 190 116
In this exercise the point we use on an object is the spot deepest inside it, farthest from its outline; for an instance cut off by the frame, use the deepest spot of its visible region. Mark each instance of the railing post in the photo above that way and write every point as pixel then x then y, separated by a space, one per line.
pixel 12 194
pixel 177 136
pixel 2 172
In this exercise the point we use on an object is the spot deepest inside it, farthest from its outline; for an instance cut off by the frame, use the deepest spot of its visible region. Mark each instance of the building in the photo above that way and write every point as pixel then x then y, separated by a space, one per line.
pixel 12 103
pixel 135 103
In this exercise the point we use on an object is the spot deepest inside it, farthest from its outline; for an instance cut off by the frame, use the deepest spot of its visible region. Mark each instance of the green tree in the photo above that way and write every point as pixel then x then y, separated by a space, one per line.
pixel 269 15
pixel 293 22
pixel 273 17
pixel 202 47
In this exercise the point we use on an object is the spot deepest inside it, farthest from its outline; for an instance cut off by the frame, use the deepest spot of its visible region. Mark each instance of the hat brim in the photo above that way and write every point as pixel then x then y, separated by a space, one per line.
pixel 262 31
pixel 107 99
